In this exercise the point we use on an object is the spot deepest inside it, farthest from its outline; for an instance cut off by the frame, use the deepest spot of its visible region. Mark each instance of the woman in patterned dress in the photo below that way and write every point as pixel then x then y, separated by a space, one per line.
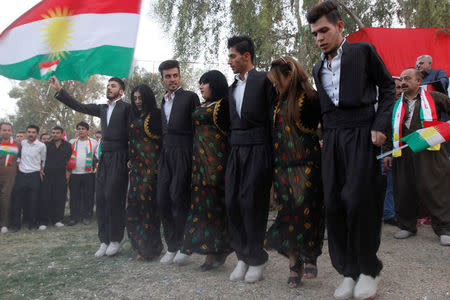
pixel 206 230
pixel 143 222
pixel 298 229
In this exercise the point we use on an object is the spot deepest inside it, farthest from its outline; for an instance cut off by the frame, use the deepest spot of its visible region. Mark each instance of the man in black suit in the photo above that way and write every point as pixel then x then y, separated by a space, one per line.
pixel 347 77
pixel 249 166
pixel 175 163
pixel 112 173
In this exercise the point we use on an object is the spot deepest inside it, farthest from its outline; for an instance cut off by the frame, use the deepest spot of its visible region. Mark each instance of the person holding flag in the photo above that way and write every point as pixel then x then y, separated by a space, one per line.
pixel 112 174
pixel 417 109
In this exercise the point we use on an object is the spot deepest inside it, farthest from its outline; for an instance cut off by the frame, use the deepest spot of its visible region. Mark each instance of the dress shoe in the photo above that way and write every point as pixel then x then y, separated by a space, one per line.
pixel 366 287
pixel 4 229
pixel 42 227
pixel 181 258
pixel 254 273
pixel 239 271
pixel 403 234
pixel 59 224
pixel 445 240
pixel 113 248
pixel 345 289
pixel 101 251
pixel 168 258
pixel 392 221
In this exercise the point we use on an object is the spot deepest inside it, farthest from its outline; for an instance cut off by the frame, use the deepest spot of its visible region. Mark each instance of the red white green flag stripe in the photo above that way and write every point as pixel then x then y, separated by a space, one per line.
pixel 428 137
pixel 72 39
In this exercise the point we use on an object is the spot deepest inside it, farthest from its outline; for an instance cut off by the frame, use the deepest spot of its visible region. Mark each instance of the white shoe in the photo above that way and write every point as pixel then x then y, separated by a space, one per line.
pixel 101 251
pixel 4 229
pixel 181 258
pixel 254 273
pixel 345 289
pixel 366 287
pixel 42 227
pixel 59 224
pixel 113 249
pixel 403 234
pixel 445 239
pixel 239 271
pixel 168 258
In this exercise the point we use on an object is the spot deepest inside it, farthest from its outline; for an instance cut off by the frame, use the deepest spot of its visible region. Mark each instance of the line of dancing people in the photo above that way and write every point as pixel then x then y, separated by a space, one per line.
pixel 204 171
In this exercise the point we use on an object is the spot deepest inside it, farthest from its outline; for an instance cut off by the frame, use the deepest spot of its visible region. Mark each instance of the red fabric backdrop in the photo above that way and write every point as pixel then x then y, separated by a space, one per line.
pixel 400 47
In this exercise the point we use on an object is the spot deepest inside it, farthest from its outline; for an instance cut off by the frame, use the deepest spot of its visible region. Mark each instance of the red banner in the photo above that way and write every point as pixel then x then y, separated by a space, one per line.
pixel 400 47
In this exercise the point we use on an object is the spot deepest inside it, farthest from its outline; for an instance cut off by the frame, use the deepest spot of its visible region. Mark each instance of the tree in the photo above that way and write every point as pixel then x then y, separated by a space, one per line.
pixel 37 106
pixel 278 27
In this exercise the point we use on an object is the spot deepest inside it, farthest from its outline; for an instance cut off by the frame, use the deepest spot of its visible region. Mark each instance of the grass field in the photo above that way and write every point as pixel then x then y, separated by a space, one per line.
pixel 58 263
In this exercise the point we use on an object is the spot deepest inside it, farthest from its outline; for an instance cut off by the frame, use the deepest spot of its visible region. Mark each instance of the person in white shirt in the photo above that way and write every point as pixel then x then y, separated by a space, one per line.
pixel 28 181
pixel 82 177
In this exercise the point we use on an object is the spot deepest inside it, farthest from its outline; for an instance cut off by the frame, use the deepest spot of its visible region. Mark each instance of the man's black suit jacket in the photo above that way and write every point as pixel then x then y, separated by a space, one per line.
pixel 361 71
pixel 257 105
pixel 180 122
pixel 115 134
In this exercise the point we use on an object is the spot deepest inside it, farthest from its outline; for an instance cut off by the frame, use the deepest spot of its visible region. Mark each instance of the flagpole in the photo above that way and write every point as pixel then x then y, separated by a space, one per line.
pixel 390 152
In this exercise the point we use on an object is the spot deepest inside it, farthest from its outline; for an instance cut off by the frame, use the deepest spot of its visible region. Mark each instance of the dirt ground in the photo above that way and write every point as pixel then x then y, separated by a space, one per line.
pixel 59 264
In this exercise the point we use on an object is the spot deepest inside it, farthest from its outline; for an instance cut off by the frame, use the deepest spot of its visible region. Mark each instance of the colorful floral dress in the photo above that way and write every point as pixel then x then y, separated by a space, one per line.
pixel 299 226
pixel 206 230
pixel 143 221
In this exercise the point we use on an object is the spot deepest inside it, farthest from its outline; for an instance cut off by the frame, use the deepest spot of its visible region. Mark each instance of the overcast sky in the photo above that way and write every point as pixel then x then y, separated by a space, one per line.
pixel 151 46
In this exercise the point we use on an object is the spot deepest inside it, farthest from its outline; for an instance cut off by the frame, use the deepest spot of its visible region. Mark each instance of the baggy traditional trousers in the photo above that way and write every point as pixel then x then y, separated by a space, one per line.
pixel 111 192
pixel 353 190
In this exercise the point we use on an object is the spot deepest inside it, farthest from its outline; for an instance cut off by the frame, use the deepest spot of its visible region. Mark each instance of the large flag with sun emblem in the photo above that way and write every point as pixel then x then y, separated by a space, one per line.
pixel 71 39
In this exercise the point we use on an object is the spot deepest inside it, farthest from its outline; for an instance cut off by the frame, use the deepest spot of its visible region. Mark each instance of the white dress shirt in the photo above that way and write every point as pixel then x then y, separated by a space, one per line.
pixel 238 92
pixel 331 75
pixel 32 155
pixel 168 103
pixel 82 151
pixel 110 110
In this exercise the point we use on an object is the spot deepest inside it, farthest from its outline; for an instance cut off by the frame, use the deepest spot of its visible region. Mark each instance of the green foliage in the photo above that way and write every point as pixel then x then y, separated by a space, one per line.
pixel 36 106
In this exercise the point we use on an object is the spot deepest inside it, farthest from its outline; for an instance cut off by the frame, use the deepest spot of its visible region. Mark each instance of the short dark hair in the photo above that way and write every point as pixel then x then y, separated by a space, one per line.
pixel 58 128
pixel 98 131
pixel 83 124
pixel 45 133
pixel 169 64
pixel 21 131
pixel 31 126
pixel 328 8
pixel 5 123
pixel 119 81
pixel 242 44
pixel 217 84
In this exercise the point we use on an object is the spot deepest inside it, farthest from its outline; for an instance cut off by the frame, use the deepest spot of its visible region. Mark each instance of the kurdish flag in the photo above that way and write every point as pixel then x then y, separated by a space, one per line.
pixel 428 137
pixel 71 39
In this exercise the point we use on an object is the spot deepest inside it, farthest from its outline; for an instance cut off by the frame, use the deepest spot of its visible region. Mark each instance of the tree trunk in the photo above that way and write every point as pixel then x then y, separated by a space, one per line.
pixel 352 15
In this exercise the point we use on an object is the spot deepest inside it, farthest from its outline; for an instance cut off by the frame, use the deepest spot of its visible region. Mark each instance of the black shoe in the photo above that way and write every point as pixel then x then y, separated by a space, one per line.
pixel 13 229
pixel 392 221
pixel 206 267
pixel 71 223
pixel 86 222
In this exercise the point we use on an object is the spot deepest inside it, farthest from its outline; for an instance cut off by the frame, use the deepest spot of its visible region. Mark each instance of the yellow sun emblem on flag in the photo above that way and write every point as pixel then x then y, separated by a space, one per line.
pixel 57 31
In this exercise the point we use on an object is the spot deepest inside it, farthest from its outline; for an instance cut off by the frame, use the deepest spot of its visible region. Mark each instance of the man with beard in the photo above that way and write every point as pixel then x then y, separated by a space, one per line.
pixel 347 77
pixel 54 185
pixel 8 166
pixel 423 176
pixel 249 167
pixel 27 185
pixel 112 173
pixel 175 163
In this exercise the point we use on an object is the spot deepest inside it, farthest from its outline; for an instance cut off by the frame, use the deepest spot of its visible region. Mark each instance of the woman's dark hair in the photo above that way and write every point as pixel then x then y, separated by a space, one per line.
pixel 218 84
pixel 148 100
pixel 282 68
